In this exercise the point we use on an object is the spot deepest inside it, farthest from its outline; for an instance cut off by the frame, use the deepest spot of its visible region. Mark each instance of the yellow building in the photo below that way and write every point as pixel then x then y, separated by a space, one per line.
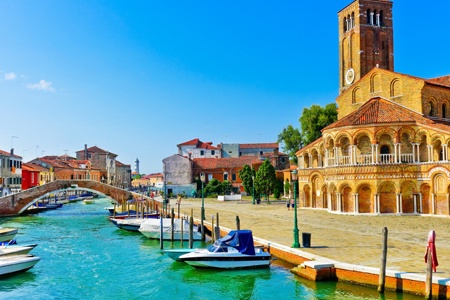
pixel 388 151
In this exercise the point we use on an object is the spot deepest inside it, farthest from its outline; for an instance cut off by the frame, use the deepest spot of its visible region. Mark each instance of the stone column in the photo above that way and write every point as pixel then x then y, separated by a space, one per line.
pixel 329 202
pixel 356 203
pixel 420 203
pixel 400 203
pixel 338 202
pixel 376 154
pixel 326 158
pixel 415 203
pixel 320 162
pixel 444 152
pixel 395 153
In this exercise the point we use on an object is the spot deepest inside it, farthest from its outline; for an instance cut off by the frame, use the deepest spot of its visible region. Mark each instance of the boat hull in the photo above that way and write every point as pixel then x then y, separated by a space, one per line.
pixel 17 263
pixel 227 261
pixel 176 253
pixel 7 234
pixel 10 250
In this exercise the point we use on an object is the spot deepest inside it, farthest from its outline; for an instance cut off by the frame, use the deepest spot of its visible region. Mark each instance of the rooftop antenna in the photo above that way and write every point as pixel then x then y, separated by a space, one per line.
pixel 37 147
pixel 65 156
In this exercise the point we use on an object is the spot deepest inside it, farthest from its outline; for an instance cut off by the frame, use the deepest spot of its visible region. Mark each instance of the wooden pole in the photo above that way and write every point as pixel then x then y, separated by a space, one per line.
pixel 161 244
pixel 238 223
pixel 191 230
pixel 382 278
pixel 212 231
pixel 172 229
pixel 114 213
pixel 429 278
pixel 181 232
pixel 128 206
pixel 217 232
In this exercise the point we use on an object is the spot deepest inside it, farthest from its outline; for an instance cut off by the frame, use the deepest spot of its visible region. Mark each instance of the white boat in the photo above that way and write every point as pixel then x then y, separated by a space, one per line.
pixel 17 263
pixel 89 200
pixel 130 224
pixel 151 228
pixel 9 250
pixel 7 234
pixel 176 253
pixel 235 250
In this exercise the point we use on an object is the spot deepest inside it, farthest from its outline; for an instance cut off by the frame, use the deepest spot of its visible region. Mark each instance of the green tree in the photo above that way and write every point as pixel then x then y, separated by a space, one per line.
pixel 314 119
pixel 245 174
pixel 292 139
pixel 265 179
pixel 278 189
pixel 213 187
pixel 287 187
pixel 227 187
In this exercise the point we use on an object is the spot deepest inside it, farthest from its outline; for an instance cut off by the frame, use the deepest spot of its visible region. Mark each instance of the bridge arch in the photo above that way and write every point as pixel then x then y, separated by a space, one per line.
pixel 15 204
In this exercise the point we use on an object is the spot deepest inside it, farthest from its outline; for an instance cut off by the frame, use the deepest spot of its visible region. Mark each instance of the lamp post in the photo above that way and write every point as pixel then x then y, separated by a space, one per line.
pixel 202 178
pixel 296 243
pixel 253 189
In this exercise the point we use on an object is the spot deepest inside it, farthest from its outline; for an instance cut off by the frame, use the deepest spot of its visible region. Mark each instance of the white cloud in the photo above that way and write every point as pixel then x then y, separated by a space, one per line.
pixel 41 85
pixel 10 76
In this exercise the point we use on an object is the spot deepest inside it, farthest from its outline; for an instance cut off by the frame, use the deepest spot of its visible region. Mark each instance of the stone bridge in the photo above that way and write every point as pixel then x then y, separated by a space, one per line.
pixel 15 204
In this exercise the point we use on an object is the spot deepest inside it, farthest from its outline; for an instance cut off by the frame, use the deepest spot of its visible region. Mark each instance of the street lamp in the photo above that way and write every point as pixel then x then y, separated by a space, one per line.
pixel 253 189
pixel 202 178
pixel 296 243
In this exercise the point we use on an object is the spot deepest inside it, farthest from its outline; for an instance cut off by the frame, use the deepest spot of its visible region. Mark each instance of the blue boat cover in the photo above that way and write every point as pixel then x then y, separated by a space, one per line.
pixel 242 240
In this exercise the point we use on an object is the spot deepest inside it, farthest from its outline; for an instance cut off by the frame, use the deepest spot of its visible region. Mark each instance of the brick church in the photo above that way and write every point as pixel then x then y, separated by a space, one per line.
pixel 388 151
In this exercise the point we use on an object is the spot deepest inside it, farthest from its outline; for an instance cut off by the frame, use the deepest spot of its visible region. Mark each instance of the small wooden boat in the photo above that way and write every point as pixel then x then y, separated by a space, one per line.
pixel 7 234
pixel 17 263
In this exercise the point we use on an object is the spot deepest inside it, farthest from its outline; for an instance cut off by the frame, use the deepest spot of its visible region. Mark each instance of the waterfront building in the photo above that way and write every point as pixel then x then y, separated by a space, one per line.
pixel 30 176
pixel 10 172
pixel 388 150
pixel 111 171
pixel 221 162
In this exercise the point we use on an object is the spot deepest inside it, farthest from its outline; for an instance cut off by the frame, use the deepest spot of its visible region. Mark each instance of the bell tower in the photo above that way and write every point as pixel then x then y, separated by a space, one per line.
pixel 366 39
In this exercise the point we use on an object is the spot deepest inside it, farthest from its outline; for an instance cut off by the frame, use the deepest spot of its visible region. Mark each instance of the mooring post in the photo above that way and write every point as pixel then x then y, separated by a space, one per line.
pixel 238 223
pixel 217 229
pixel 429 278
pixel 382 278
pixel 161 244
pixel 191 230
pixel 114 213
pixel 181 232
pixel 171 227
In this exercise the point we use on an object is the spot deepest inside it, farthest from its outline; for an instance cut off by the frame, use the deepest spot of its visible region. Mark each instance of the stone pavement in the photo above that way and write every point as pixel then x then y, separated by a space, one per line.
pixel 354 239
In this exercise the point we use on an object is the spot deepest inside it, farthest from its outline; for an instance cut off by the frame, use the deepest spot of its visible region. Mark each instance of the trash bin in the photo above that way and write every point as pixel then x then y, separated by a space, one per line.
pixel 306 239
pixel 258 201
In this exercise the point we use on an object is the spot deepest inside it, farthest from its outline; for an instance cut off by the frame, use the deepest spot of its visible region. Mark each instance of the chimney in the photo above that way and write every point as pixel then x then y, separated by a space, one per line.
pixel 12 151
pixel 85 152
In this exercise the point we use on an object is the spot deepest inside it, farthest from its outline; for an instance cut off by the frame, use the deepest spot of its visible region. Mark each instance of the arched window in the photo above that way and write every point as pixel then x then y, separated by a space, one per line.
pixel 345 24
pixel 431 106
pixel 444 110
pixel 225 175
pixel 368 16
pixel 381 18
pixel 352 20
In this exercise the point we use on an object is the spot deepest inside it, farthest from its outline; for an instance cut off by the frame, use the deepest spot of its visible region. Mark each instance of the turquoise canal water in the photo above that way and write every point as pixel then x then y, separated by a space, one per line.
pixel 84 256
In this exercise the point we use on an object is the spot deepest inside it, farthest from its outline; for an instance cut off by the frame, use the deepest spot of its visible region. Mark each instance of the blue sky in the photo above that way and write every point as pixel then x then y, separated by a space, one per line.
pixel 139 77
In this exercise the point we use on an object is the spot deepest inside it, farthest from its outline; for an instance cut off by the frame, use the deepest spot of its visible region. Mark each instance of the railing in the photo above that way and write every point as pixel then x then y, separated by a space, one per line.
pixel 367 159
pixel 364 159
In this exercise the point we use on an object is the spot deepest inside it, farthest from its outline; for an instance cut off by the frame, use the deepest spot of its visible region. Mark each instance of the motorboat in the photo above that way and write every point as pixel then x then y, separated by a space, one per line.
pixel 151 228
pixel 8 250
pixel 176 253
pixel 17 263
pixel 7 234
pixel 89 200
pixel 130 224
pixel 235 250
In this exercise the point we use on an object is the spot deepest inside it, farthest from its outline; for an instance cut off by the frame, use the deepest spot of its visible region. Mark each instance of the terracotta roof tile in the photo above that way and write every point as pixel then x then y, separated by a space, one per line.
pixel 444 80
pixel 381 111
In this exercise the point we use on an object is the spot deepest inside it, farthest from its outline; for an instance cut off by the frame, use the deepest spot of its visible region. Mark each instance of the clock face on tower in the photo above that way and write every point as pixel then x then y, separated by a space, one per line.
pixel 349 76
